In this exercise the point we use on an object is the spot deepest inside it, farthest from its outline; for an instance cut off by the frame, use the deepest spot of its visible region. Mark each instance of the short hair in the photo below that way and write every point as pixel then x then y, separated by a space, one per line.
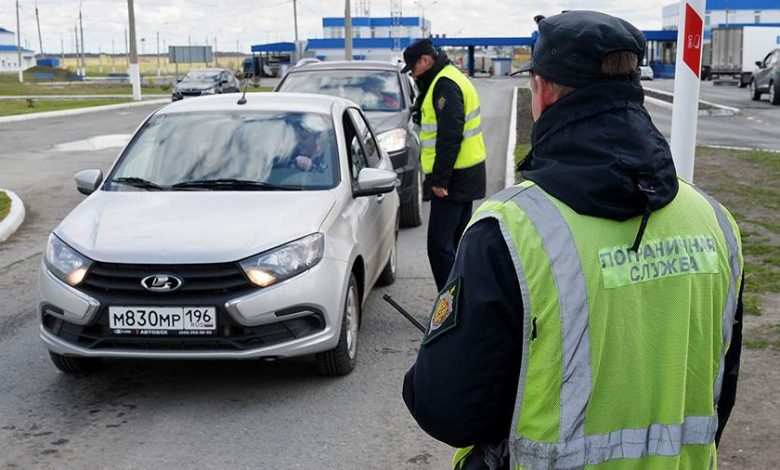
pixel 614 64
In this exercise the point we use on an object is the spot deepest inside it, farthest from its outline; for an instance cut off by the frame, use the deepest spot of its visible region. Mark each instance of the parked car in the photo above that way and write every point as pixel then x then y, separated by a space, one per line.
pixel 766 78
pixel 225 231
pixel 646 73
pixel 387 97
pixel 200 82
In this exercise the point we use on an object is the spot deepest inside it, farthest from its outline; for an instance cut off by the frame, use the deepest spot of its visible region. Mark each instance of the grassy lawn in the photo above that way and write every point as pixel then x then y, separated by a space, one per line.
pixel 13 107
pixel 5 205
pixel 10 86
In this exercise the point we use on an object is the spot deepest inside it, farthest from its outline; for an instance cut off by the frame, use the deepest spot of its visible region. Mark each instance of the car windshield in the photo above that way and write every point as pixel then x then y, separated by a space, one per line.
pixel 230 151
pixel 201 76
pixel 371 89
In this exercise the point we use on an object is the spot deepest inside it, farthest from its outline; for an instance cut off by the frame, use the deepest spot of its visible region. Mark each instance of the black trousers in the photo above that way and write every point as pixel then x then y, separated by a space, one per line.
pixel 447 222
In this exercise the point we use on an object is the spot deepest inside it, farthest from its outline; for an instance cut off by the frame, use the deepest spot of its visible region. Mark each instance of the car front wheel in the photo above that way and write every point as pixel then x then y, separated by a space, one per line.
pixel 755 95
pixel 411 211
pixel 342 359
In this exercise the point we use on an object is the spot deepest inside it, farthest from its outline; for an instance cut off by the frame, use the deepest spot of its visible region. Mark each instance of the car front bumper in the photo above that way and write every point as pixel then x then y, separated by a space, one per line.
pixel 297 317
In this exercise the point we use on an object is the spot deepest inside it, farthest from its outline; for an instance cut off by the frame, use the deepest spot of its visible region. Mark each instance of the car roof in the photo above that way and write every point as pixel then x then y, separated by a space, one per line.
pixel 285 102
pixel 347 65
pixel 209 69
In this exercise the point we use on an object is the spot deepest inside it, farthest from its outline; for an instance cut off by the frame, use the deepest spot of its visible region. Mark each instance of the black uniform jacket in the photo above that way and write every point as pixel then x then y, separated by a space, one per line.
pixel 463 185
pixel 590 150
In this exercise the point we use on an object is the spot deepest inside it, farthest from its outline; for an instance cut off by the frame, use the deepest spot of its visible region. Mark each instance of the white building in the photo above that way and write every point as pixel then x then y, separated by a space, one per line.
pixel 728 12
pixel 9 57
pixel 371 28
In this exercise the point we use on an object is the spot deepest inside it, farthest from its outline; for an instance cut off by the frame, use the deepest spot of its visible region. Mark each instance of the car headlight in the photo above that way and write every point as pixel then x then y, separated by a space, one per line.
pixel 393 141
pixel 286 261
pixel 66 263
pixel 208 91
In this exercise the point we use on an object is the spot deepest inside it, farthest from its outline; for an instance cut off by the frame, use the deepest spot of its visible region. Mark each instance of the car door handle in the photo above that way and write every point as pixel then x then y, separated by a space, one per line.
pixel 380 198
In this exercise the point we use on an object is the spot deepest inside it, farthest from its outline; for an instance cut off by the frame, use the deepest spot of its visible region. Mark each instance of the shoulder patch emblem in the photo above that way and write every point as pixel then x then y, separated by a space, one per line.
pixel 441 103
pixel 444 316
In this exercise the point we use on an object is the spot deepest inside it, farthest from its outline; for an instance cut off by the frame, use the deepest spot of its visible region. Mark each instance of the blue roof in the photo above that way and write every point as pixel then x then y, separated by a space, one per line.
pixel 662 35
pixel 465 42
pixel 358 43
pixel 338 22
pixel 274 47
pixel 12 49
pixel 752 25
pixel 742 5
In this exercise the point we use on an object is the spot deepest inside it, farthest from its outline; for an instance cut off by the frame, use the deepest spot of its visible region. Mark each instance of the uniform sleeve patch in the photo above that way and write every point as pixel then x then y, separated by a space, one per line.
pixel 441 103
pixel 444 316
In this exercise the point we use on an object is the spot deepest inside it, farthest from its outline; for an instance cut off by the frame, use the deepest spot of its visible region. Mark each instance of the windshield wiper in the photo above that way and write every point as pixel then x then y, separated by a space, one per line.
pixel 136 182
pixel 234 184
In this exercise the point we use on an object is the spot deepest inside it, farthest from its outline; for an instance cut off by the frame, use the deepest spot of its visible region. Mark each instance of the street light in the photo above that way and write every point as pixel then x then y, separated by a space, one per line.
pixel 422 8
pixel 81 27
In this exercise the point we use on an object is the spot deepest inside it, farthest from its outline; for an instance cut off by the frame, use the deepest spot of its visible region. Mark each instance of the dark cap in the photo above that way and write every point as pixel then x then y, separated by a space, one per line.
pixel 415 51
pixel 572 45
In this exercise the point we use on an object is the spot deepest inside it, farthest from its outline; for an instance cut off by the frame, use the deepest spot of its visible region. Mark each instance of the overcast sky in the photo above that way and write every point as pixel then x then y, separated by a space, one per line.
pixel 260 21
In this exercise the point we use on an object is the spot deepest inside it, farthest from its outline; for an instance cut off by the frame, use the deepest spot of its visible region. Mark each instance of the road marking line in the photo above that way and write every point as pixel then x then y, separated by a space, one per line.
pixel 509 179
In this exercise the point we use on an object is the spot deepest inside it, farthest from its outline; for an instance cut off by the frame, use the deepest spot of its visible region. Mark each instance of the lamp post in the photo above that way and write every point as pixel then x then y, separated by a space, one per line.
pixel 422 9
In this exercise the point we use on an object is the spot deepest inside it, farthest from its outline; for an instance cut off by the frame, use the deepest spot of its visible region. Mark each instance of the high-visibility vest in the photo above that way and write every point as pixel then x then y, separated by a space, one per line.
pixel 623 351
pixel 472 148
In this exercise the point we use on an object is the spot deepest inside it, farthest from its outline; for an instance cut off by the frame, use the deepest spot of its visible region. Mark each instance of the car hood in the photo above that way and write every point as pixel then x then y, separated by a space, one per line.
pixel 191 227
pixel 387 121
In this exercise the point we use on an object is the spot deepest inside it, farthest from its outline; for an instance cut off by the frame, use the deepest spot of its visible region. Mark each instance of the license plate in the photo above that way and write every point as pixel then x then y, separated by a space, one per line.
pixel 162 320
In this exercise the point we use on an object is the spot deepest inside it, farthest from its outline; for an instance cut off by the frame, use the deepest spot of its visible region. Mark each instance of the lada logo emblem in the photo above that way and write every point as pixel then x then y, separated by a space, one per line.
pixel 161 283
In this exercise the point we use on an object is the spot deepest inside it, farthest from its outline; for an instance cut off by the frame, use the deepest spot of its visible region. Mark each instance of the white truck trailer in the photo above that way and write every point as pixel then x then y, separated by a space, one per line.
pixel 735 50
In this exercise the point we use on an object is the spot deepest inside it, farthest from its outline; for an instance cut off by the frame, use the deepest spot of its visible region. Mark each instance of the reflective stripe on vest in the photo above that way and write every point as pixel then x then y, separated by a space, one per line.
pixel 472 148
pixel 575 448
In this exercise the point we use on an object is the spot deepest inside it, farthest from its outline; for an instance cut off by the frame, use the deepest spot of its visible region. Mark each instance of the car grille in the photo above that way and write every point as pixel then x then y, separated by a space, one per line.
pixel 190 92
pixel 197 279
pixel 229 336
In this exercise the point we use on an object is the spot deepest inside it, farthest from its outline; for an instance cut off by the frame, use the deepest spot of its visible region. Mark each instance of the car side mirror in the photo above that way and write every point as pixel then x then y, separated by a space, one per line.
pixel 87 181
pixel 373 182
pixel 223 82
pixel 760 64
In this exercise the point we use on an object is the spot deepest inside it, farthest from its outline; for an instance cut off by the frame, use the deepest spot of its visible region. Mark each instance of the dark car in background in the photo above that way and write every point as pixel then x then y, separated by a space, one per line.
pixel 766 78
pixel 387 98
pixel 199 82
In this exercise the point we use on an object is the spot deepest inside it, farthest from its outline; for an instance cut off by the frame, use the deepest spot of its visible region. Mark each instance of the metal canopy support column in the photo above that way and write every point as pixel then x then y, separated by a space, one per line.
pixel 471 61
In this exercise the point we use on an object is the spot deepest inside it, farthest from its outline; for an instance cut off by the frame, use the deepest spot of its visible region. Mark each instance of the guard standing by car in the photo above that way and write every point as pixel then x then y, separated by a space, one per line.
pixel 593 314
pixel 453 150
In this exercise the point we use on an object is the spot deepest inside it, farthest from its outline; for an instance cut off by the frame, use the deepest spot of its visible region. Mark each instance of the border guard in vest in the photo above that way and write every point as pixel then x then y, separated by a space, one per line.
pixel 453 150
pixel 593 315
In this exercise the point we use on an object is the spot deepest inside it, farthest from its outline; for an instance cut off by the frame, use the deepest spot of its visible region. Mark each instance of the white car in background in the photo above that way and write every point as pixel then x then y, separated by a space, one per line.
pixel 646 73
pixel 225 230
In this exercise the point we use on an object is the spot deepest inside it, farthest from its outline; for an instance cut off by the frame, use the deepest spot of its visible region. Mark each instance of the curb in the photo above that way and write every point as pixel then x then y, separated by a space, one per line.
pixel 76 112
pixel 14 219
pixel 509 178
pixel 746 149
pixel 723 110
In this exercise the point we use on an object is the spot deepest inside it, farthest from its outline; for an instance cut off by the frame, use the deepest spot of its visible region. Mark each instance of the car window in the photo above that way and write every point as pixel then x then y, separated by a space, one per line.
pixel 372 90
pixel 357 157
pixel 295 150
pixel 369 144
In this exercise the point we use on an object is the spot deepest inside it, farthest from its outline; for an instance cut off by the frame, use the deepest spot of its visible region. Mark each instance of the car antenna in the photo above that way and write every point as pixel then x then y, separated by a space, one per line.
pixel 242 100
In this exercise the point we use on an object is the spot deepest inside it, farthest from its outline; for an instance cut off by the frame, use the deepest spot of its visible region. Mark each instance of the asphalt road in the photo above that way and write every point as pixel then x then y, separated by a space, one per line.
pixel 251 414
pixel 757 125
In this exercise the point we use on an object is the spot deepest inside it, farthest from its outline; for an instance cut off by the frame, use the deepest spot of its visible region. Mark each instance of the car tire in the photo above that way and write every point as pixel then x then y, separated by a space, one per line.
pixel 411 212
pixel 391 268
pixel 341 360
pixel 774 93
pixel 73 364
pixel 755 95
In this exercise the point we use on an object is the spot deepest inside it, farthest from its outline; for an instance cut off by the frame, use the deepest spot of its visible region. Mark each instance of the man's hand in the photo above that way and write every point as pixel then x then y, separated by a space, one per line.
pixel 303 163
pixel 440 192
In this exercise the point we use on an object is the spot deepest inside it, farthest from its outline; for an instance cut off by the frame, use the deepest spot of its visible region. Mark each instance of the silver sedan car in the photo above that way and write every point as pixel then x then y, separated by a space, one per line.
pixel 227 228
